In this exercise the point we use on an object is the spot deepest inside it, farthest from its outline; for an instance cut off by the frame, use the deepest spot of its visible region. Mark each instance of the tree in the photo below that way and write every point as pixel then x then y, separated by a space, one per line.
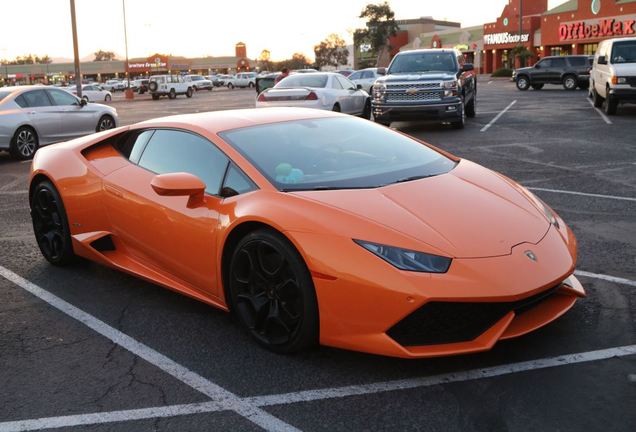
pixel 104 56
pixel 380 26
pixel 331 52
pixel 523 53
pixel 298 61
pixel 28 59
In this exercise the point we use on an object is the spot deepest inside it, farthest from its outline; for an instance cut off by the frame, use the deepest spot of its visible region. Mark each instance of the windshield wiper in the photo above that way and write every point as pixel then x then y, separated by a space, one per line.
pixel 325 188
pixel 408 179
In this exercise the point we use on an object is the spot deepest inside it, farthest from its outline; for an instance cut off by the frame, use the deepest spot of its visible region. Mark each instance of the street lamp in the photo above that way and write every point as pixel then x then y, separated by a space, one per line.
pixel 78 84
pixel 129 92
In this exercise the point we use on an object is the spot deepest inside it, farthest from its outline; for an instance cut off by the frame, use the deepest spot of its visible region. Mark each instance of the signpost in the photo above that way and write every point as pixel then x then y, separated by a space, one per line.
pixel 78 73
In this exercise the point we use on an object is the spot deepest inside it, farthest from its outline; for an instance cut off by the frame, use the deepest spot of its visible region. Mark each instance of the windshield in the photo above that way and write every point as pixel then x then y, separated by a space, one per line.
pixel 197 78
pixel 335 153
pixel 624 52
pixel 315 81
pixel 423 62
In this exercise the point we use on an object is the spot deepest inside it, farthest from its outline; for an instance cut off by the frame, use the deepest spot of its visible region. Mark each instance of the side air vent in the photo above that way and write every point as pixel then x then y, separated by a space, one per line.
pixel 103 244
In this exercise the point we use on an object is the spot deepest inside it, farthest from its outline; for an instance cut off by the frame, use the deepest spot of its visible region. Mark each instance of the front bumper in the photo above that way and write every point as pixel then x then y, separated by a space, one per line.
pixel 362 313
pixel 624 94
pixel 438 111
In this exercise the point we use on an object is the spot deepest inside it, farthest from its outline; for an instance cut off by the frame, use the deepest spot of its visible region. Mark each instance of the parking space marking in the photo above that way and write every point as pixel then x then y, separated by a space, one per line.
pixel 601 113
pixel 492 122
pixel 16 192
pixel 614 197
pixel 319 394
pixel 474 374
pixel 215 392
pixel 608 278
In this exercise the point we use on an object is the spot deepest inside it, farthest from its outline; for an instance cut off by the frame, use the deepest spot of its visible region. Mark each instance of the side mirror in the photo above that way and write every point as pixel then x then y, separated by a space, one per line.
pixel 381 71
pixel 602 60
pixel 180 184
pixel 83 102
pixel 468 67
pixel 359 87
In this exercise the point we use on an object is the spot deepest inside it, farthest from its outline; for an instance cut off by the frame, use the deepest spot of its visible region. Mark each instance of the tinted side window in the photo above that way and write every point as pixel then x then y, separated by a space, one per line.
pixel 36 98
pixel 546 63
pixel 577 61
pixel 558 63
pixel 174 151
pixel 133 144
pixel 355 76
pixel 60 97
pixel 237 181
pixel 21 101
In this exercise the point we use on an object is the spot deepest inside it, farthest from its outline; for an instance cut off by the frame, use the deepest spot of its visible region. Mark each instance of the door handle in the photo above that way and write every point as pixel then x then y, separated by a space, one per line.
pixel 32 112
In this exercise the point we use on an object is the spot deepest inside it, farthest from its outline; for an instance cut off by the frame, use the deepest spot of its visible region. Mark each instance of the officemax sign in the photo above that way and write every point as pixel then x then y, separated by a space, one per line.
pixel 600 28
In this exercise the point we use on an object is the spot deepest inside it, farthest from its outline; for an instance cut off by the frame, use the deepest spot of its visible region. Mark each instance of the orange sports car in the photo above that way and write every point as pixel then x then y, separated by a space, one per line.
pixel 311 226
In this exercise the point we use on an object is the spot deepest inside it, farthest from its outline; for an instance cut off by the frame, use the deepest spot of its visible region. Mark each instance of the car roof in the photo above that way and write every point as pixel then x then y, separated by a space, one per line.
pixel 22 88
pixel 215 122
pixel 425 50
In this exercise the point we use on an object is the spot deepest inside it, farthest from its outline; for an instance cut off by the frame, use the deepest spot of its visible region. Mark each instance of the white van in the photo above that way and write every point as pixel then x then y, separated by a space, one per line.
pixel 613 76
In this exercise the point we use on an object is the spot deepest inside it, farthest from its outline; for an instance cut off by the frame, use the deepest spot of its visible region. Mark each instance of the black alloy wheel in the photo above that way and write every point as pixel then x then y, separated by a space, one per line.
pixel 105 122
pixel 24 143
pixel 50 224
pixel 272 292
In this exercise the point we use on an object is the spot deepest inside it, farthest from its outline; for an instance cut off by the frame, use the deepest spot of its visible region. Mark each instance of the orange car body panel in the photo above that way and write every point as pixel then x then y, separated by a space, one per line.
pixel 481 219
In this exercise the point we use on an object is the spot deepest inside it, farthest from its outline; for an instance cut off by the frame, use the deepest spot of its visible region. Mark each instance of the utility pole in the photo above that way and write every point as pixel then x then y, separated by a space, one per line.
pixel 78 73
pixel 520 19
pixel 129 92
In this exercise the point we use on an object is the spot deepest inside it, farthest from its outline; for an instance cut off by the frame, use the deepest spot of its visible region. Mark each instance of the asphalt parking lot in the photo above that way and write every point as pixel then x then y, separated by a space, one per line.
pixel 88 348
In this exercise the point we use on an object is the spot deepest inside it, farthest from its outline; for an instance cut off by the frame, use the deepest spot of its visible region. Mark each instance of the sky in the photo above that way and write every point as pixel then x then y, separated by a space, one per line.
pixel 195 28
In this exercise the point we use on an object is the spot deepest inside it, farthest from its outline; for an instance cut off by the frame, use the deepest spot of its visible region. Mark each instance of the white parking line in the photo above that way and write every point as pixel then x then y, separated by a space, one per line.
pixel 215 392
pixel 614 197
pixel 485 128
pixel 320 394
pixel 15 192
pixel 606 278
pixel 601 113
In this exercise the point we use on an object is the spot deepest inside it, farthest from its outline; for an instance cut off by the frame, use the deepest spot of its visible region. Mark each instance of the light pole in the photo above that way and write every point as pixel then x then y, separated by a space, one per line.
pixel 129 92
pixel 78 73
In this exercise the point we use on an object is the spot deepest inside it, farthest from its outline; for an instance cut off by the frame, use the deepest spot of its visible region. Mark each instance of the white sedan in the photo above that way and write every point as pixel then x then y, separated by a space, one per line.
pixel 365 77
pixel 93 93
pixel 320 90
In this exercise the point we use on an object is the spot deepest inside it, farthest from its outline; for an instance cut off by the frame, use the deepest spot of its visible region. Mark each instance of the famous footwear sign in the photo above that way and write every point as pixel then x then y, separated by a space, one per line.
pixel 505 38
pixel 600 28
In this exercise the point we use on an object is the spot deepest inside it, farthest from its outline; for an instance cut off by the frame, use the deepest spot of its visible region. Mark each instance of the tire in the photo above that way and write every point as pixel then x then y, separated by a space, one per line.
pixel 459 124
pixel 153 86
pixel 210 89
pixel 570 82
pixel 155 96
pixel 172 94
pixel 189 92
pixel 105 122
pixel 230 86
pixel 610 105
pixel 251 85
pixel 85 98
pixel 107 98
pixel 272 293
pixel 523 83
pixel 471 107
pixel 537 86
pixel 336 108
pixel 24 144
pixel 366 112
pixel 50 224
pixel 598 100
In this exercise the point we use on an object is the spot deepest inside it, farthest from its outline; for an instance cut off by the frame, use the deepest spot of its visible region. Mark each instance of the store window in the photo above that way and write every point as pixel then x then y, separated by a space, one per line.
pixel 590 49
pixel 505 60
pixel 556 51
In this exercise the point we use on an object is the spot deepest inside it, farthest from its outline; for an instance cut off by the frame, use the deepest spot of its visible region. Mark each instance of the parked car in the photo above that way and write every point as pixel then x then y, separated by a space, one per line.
pixel 92 93
pixel 345 72
pixel 613 77
pixel 426 84
pixel 169 85
pixel 321 90
pixel 199 82
pixel 308 70
pixel 365 77
pixel 140 85
pixel 113 85
pixel 569 71
pixel 243 79
pixel 222 80
pixel 263 82
pixel 34 116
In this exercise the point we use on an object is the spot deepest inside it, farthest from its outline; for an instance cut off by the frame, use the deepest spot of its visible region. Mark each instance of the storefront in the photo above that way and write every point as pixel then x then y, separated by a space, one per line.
pixel 468 40
pixel 573 27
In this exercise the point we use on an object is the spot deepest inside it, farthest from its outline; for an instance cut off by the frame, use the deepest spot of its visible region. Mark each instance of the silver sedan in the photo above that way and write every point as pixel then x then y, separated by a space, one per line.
pixel 33 116
pixel 320 90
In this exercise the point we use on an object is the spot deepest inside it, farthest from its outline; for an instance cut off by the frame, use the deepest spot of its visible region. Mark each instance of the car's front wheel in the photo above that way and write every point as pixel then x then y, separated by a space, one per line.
pixel 610 105
pixel 107 98
pixel 230 86
pixel 172 94
pixel 366 113
pixel 523 83
pixel 189 92
pixel 461 121
pixel 598 100
pixel 569 82
pixel 24 144
pixel 471 107
pixel 272 293
pixel 50 224
pixel 105 122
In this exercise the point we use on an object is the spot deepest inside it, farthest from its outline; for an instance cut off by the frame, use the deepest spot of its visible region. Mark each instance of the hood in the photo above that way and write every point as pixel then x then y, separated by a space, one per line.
pixel 422 76
pixel 624 69
pixel 524 69
pixel 470 212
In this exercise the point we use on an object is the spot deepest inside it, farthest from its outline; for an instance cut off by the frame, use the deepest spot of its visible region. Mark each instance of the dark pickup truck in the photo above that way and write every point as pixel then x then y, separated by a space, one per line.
pixel 427 84
pixel 570 71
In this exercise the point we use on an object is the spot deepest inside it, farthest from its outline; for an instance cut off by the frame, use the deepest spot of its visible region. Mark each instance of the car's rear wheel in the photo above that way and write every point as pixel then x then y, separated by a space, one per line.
pixel 105 122
pixel 251 85
pixel 107 98
pixel 537 86
pixel 172 94
pixel 24 144
pixel 272 293
pixel 230 86
pixel 569 82
pixel 50 224
pixel 336 108
pixel 523 83
pixel 189 92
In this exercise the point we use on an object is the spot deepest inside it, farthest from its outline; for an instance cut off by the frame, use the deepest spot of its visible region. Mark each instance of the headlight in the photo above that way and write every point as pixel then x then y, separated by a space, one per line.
pixel 450 88
pixel 409 260
pixel 618 80
pixel 379 90
pixel 552 218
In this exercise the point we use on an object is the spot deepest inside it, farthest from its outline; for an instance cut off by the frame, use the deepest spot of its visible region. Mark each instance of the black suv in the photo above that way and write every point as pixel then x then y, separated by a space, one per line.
pixel 570 71
pixel 427 84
